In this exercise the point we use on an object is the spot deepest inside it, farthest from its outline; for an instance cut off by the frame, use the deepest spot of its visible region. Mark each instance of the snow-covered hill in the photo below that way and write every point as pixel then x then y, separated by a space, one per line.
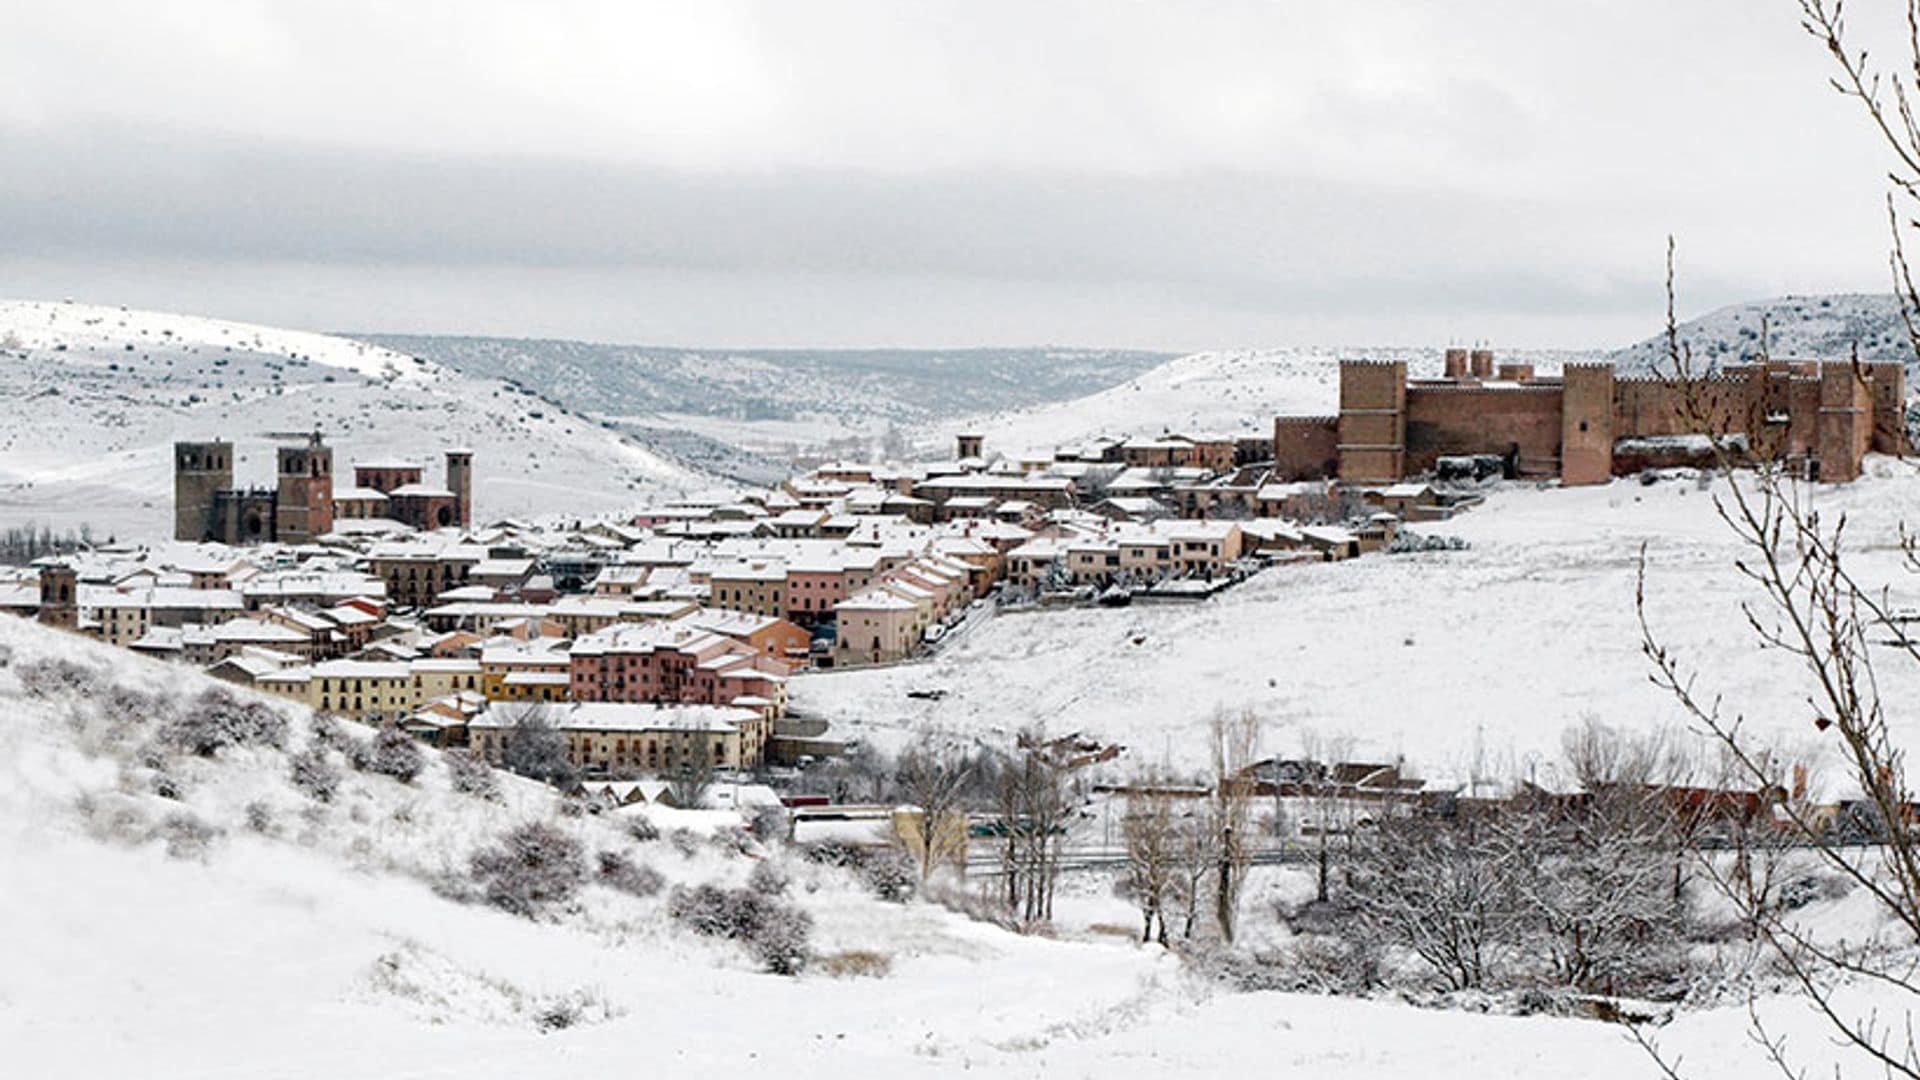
pixel 97 395
pixel 1500 647
pixel 1213 392
pixel 167 915
pixel 1813 327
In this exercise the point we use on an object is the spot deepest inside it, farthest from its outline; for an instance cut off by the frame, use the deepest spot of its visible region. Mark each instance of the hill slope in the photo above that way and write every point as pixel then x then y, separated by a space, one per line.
pixel 763 399
pixel 1813 327
pixel 1500 647
pixel 277 936
pixel 103 392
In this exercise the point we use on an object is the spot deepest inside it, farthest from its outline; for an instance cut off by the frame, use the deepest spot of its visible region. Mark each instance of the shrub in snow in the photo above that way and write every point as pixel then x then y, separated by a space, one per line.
pixel 259 817
pixel 620 872
pixel 768 879
pixel 6 655
pixel 391 752
pixel 642 829
pixel 471 775
pixel 218 719
pixel 855 964
pixel 537 750
pixel 313 775
pixel 775 932
pixel 531 867
pixel 685 841
pixel 730 842
pixel 123 706
pixel 891 876
pixel 166 785
pixel 44 678
pixel 832 853
pixel 328 732
pixel 187 836
pixel 768 823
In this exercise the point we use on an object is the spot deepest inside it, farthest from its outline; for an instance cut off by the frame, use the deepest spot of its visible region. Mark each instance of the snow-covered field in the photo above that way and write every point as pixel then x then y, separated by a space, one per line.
pixel 97 395
pixel 314 947
pixel 1501 646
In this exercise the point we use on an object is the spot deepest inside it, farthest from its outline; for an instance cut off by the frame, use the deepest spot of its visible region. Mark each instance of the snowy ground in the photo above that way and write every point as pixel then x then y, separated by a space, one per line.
pixel 315 948
pixel 97 395
pixel 1503 645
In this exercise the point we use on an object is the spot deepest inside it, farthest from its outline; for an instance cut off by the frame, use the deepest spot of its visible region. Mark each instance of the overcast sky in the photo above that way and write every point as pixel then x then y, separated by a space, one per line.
pixel 1165 175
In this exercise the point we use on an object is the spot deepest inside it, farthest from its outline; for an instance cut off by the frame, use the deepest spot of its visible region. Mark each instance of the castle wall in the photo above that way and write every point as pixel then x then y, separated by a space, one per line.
pixel 1447 420
pixel 1306 447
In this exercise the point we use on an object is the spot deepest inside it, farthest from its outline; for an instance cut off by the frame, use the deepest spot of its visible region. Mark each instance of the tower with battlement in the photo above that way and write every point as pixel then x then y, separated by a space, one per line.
pixel 201 470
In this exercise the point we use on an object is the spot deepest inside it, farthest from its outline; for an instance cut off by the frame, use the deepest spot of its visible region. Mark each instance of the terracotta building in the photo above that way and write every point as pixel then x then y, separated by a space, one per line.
pixel 1588 423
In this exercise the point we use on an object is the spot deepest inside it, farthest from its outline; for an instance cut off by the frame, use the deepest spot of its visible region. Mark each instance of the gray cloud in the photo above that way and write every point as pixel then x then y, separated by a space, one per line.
pixel 988 174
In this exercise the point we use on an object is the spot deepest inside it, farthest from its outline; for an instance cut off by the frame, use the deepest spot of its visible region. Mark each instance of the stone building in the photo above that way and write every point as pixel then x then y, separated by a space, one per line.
pixel 1588 423
pixel 207 507
pixel 301 504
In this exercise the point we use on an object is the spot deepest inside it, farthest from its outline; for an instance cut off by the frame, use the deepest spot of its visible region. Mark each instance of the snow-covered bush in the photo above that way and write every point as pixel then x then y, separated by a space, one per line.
pixel 218 719
pixel 187 836
pixel 259 817
pixel 768 879
pixel 776 932
pixel 391 752
pixel 621 872
pixel 313 774
pixel 537 750
pixel 531 867
pixel 471 775
pixel 53 675
pixel 890 875
pixel 768 823
pixel 327 731
pixel 642 829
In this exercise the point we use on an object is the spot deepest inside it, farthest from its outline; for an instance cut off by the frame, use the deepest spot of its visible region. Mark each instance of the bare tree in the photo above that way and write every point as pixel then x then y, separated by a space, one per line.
pixel 1233 739
pixel 1152 837
pixel 1031 800
pixel 1812 609
pixel 1445 891
pixel 690 764
pixel 1330 809
pixel 937 780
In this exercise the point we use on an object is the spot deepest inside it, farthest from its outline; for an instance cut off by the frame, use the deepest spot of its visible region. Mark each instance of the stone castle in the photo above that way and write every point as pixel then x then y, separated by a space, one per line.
pixel 302 503
pixel 1589 424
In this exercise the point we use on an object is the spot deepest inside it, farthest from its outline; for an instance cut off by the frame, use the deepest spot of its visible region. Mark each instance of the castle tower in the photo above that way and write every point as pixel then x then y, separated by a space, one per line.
pixel 460 482
pixel 59 596
pixel 1846 421
pixel 1586 424
pixel 303 504
pixel 1373 420
pixel 200 471
pixel 970 445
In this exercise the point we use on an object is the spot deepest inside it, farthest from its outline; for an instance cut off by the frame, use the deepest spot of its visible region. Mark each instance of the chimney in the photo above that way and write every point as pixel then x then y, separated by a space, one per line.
pixel 1456 363
pixel 1482 361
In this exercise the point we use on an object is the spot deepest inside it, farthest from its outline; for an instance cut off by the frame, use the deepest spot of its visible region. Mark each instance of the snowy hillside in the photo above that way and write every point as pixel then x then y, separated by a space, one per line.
pixel 1214 392
pixel 1502 646
pixel 1813 327
pixel 778 399
pixel 101 393
pixel 171 915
